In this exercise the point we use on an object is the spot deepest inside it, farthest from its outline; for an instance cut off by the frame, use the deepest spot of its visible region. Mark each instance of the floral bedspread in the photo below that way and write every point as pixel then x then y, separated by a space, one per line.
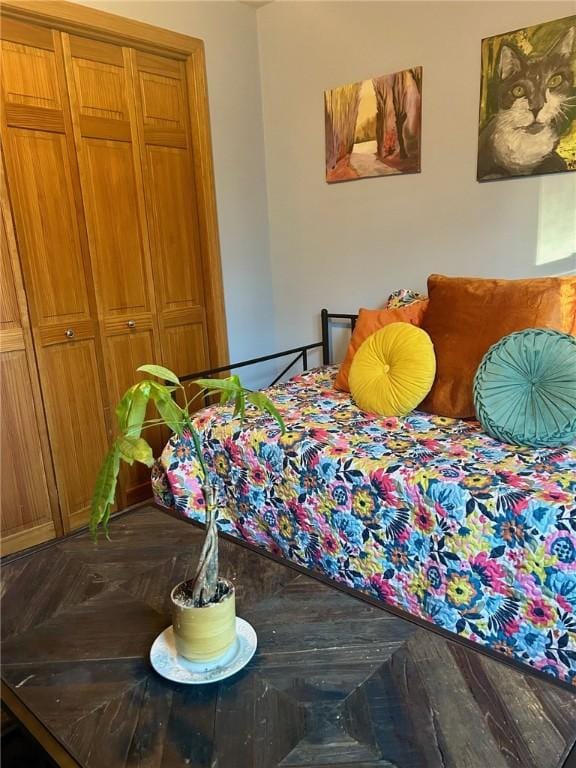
pixel 426 513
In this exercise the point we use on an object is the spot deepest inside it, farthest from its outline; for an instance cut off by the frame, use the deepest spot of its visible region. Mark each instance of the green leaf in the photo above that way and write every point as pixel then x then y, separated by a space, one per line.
pixel 162 373
pixel 199 455
pixel 265 404
pixel 231 384
pixel 123 408
pixel 125 450
pixel 171 414
pixel 105 490
pixel 240 404
pixel 135 449
pixel 137 392
pixel 169 410
pixel 137 412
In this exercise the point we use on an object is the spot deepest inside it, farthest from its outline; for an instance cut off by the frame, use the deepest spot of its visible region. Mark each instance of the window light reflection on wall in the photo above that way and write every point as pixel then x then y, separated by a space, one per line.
pixel 557 222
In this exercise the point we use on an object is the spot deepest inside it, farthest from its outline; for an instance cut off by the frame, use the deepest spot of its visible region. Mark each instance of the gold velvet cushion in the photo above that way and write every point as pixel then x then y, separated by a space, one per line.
pixel 466 315
pixel 393 370
pixel 371 320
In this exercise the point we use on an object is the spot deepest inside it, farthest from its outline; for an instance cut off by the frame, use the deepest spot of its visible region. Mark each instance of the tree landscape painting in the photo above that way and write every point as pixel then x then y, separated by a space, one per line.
pixel 373 127
pixel 528 101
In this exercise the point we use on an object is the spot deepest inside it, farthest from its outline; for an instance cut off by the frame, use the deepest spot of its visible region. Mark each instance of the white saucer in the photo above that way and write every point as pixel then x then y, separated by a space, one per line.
pixel 170 665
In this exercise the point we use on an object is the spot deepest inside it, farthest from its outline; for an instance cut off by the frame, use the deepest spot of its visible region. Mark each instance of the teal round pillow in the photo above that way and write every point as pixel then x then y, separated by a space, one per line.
pixel 525 389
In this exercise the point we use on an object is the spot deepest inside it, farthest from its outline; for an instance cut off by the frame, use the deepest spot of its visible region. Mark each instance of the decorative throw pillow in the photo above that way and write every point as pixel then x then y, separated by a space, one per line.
pixel 403 297
pixel 393 370
pixel 369 321
pixel 525 389
pixel 466 315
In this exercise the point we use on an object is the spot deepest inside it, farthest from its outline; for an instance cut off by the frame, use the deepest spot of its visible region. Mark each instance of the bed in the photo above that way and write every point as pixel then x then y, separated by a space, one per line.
pixel 427 514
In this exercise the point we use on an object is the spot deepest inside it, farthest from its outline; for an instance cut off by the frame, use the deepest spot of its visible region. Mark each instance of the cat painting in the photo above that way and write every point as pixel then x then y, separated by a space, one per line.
pixel 528 102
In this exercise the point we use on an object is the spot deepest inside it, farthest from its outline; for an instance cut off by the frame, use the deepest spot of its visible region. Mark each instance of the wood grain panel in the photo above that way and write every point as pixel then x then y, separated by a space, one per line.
pixel 24 116
pixel 47 226
pixel 174 228
pixel 9 310
pixel 100 89
pixel 110 178
pixel 162 100
pixel 76 423
pixel 128 351
pixel 57 333
pixel 140 321
pixel 11 340
pixel 45 194
pixel 104 128
pixel 28 34
pixel 185 348
pixel 114 230
pixel 165 137
pixel 25 498
pixel 28 510
pixel 95 50
pixel 28 537
pixel 159 65
pixel 172 212
pixel 29 76
pixel 177 316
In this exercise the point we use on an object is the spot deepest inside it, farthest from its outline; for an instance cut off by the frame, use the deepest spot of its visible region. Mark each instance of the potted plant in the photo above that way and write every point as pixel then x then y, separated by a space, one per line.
pixel 203 608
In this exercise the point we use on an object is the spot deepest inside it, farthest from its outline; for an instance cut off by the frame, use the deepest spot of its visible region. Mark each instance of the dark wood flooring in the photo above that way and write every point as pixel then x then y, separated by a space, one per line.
pixel 336 682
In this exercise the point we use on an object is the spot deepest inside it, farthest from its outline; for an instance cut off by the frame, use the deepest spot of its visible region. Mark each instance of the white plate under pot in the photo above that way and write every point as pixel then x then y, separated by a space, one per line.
pixel 170 665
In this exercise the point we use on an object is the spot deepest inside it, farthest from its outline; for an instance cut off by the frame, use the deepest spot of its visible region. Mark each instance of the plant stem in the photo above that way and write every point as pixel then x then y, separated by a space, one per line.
pixel 206 579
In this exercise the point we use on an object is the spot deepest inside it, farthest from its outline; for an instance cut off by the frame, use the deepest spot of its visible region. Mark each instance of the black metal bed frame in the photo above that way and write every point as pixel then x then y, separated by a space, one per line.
pixel 300 352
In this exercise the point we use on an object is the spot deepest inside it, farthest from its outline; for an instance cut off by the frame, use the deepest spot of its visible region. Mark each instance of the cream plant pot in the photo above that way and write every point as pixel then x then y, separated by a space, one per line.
pixel 203 634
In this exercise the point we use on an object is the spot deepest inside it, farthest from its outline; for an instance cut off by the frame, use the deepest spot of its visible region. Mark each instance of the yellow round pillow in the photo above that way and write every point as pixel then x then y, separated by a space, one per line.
pixel 393 370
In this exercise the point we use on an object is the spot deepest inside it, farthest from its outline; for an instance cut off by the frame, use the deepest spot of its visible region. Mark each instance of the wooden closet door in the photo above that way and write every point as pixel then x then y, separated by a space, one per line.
pixel 106 140
pixel 29 509
pixel 44 190
pixel 172 211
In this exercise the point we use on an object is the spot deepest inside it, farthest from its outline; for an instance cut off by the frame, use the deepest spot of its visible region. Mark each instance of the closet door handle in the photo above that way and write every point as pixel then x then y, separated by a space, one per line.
pixel 131 323
pixel 69 333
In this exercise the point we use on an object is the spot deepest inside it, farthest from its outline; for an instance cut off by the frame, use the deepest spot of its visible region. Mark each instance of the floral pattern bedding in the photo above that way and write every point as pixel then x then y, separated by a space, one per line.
pixel 426 513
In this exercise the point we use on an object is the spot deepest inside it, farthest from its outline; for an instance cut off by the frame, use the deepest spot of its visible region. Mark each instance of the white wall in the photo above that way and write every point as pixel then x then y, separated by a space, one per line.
pixel 350 244
pixel 230 37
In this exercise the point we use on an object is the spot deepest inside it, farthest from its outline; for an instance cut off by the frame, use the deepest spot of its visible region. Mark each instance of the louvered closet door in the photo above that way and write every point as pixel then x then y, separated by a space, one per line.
pixel 171 207
pixel 29 509
pixel 45 196
pixel 99 82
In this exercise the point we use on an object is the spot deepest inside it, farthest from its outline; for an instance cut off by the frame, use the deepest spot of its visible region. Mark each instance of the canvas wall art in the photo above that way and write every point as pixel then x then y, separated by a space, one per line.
pixel 528 101
pixel 373 127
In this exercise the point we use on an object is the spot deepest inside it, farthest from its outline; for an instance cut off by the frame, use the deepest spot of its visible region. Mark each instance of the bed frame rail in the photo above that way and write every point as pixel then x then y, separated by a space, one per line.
pixel 326 318
pixel 301 353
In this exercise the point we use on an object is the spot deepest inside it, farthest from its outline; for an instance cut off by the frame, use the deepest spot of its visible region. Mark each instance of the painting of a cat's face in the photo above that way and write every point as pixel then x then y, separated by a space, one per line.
pixel 537 89
pixel 528 101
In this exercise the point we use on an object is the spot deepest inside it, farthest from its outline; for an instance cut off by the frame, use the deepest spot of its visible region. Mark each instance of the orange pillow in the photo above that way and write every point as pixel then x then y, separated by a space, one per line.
pixel 466 315
pixel 369 321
